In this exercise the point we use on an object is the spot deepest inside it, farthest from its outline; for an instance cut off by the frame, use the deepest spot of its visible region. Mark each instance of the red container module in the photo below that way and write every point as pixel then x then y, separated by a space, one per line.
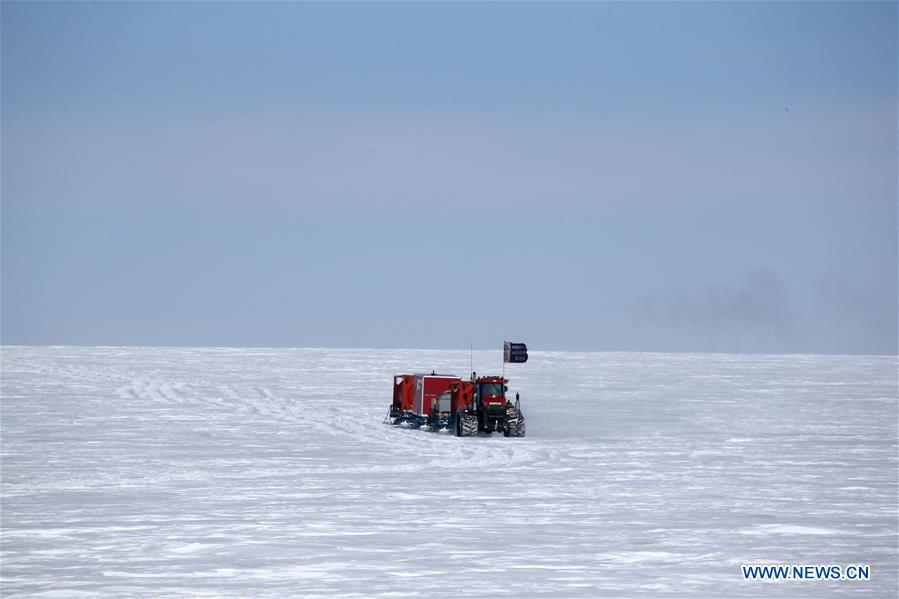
pixel 414 394
pixel 427 388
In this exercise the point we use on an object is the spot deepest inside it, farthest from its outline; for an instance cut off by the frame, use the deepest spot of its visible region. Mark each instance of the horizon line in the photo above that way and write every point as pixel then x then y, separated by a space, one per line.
pixel 530 350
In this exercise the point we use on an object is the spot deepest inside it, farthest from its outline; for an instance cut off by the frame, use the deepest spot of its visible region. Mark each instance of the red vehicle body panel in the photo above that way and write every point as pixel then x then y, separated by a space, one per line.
pixel 493 399
pixel 427 388
pixel 403 391
pixel 462 394
pixel 414 393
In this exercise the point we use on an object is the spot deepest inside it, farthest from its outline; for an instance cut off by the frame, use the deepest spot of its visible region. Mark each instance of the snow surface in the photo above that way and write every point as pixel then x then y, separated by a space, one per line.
pixel 167 472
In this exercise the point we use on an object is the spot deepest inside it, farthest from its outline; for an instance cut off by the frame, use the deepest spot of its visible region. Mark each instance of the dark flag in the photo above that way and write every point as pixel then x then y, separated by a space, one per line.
pixel 515 353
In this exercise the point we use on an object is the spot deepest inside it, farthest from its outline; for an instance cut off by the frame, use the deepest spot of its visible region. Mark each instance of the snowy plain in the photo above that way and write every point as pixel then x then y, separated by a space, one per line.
pixel 179 472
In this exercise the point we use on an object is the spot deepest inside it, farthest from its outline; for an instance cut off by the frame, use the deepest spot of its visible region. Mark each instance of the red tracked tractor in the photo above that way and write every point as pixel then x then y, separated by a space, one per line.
pixel 464 407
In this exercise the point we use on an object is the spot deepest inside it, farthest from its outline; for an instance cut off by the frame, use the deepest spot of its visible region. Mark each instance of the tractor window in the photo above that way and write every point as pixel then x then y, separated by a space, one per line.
pixel 491 389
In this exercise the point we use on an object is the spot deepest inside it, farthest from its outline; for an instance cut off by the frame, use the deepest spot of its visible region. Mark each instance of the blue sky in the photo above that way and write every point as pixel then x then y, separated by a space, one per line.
pixel 668 177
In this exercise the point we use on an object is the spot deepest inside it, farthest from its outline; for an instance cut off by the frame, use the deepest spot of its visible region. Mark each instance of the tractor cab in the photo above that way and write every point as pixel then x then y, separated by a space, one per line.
pixel 494 413
pixel 490 393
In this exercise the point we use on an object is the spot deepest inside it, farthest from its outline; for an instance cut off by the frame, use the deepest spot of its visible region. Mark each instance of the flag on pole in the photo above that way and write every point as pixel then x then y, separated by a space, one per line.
pixel 514 353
